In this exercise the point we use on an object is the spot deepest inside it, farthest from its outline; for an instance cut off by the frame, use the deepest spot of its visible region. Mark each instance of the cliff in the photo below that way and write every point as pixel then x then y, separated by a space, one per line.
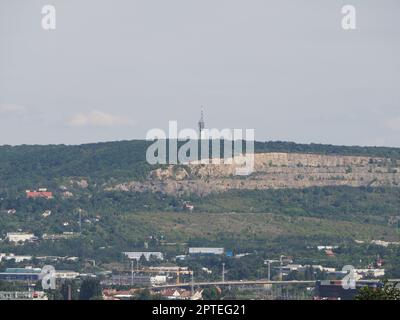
pixel 272 171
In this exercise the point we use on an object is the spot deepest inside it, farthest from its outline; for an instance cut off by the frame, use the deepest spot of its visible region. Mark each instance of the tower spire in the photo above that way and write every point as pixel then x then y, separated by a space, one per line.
pixel 201 122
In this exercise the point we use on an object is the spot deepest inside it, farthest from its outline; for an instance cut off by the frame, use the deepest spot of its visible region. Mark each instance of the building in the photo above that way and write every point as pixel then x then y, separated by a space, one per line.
pixel 369 273
pixel 21 274
pixel 23 295
pixel 145 254
pixel 384 243
pixel 128 280
pixel 327 247
pixel 41 193
pixel 158 280
pixel 324 269
pixel 333 290
pixel 181 294
pixel 64 274
pixel 46 214
pixel 11 256
pixel 291 267
pixel 329 253
pixel 18 237
pixel 241 255
pixel 60 236
pixel 188 206
pixel 181 257
pixel 206 250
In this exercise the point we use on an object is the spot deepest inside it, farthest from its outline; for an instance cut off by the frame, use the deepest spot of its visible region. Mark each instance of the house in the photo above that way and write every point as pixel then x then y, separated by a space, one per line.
pixel 329 253
pixel 46 213
pixel 41 193
pixel 181 294
pixel 188 206
pixel 384 243
pixel 67 194
pixel 327 247
pixel 18 237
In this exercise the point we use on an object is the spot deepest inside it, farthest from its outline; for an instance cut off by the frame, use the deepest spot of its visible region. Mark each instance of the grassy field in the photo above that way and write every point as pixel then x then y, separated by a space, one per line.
pixel 246 226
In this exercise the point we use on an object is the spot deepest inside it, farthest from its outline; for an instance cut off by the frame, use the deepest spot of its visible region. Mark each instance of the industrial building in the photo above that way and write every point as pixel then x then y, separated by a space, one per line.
pixel 206 250
pixel 21 274
pixel 146 255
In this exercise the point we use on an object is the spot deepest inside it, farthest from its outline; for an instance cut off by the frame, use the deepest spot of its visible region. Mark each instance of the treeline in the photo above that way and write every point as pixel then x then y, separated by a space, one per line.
pixel 327 149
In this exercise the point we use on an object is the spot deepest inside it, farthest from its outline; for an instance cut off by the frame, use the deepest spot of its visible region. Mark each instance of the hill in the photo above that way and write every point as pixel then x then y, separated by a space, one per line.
pixel 299 195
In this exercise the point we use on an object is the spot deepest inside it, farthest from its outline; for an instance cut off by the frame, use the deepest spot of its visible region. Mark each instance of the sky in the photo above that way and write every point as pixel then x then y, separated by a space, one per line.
pixel 113 70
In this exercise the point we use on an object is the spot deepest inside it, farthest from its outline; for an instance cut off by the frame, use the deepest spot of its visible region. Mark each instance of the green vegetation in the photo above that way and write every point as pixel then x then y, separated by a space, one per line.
pixel 90 290
pixel 389 291
pixel 346 203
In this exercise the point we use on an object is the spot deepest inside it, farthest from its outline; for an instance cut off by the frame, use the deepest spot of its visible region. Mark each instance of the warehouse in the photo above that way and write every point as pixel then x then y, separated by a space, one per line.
pixel 206 250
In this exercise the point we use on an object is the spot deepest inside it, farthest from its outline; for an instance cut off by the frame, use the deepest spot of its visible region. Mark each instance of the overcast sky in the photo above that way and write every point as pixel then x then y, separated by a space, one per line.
pixel 112 70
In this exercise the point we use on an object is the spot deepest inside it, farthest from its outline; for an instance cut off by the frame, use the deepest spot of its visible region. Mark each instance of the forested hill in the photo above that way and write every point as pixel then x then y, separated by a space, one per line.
pixel 32 165
pixel 28 166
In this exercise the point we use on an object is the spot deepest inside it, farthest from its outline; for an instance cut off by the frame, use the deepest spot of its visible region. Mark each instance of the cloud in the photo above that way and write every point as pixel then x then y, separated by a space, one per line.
pixel 393 124
pixel 97 118
pixel 12 109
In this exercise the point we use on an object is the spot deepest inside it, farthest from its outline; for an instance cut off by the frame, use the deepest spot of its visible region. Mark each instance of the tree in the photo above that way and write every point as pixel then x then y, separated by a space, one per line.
pixel 69 287
pixel 211 293
pixel 90 289
pixel 145 294
pixel 388 291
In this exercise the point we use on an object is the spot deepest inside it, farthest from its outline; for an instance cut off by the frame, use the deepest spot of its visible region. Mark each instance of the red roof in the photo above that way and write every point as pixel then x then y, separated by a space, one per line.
pixel 39 194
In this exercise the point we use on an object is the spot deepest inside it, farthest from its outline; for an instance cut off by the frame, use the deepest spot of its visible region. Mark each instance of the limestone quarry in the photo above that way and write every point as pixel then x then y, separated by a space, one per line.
pixel 271 171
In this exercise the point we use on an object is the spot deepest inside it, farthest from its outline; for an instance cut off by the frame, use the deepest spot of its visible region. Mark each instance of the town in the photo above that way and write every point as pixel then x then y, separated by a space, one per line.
pixel 176 271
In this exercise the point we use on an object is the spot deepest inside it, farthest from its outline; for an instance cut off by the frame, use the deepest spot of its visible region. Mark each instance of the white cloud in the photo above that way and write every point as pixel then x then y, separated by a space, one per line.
pixel 12 109
pixel 393 124
pixel 97 118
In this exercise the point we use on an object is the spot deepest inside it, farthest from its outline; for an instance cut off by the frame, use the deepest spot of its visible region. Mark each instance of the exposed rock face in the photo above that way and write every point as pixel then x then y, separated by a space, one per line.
pixel 272 170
